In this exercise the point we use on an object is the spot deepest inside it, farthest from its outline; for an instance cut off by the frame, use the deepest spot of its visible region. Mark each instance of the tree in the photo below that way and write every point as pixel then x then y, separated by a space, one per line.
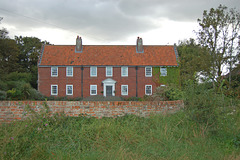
pixel 30 48
pixel 3 32
pixel 193 60
pixel 9 53
pixel 219 33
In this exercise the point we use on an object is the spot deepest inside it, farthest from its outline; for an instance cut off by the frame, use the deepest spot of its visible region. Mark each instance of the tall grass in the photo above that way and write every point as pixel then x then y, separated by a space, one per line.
pixel 128 137
pixel 208 128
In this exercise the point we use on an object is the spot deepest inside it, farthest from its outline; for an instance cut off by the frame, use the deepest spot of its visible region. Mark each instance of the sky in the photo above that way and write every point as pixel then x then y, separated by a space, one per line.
pixel 106 22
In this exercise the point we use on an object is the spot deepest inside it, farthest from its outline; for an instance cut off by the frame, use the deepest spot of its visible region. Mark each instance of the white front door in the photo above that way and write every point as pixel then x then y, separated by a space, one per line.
pixel 109 87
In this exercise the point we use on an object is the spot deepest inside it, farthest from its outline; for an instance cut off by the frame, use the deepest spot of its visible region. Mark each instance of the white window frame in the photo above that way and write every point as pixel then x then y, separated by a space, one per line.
pixel 110 67
pixel 122 71
pixel 161 71
pixel 122 93
pixel 146 75
pixel 53 75
pixel 91 73
pixel 146 90
pixel 91 88
pixel 54 94
pixel 69 94
pixel 67 73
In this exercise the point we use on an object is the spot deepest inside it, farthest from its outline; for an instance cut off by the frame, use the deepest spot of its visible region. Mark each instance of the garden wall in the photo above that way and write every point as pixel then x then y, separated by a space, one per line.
pixel 18 110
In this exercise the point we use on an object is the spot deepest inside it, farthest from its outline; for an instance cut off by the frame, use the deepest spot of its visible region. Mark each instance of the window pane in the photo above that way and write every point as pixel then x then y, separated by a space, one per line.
pixel 54 71
pixel 69 89
pixel 124 89
pixel 148 71
pixel 93 71
pixel 109 71
pixel 69 71
pixel 148 90
pixel 163 71
pixel 124 71
pixel 54 90
pixel 93 89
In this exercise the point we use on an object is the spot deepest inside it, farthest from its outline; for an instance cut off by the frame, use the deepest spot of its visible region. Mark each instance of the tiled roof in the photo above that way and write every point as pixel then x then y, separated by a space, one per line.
pixel 112 55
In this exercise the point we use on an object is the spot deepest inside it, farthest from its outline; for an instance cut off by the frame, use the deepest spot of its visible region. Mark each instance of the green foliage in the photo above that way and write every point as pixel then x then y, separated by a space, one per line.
pixel 3 95
pixel 132 99
pixel 16 76
pixel 220 33
pixel 29 50
pixel 46 136
pixel 219 113
pixel 21 90
pixel 174 93
pixel 166 93
pixel 236 141
pixel 3 86
pixel 14 94
pixel 193 59
pixel 8 56
pixel 171 78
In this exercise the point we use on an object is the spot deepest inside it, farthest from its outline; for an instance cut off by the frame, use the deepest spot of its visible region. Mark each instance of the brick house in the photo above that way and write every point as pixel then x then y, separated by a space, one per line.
pixel 108 70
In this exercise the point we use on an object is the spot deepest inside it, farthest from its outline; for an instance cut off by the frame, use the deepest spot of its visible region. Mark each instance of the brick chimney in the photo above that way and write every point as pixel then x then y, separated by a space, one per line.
pixel 78 45
pixel 139 46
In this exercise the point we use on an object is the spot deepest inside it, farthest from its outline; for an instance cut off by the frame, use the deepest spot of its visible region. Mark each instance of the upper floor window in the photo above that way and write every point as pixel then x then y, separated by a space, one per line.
pixel 69 89
pixel 54 89
pixel 93 71
pixel 54 71
pixel 124 90
pixel 163 71
pixel 148 71
pixel 109 71
pixel 148 89
pixel 124 71
pixel 69 71
pixel 93 89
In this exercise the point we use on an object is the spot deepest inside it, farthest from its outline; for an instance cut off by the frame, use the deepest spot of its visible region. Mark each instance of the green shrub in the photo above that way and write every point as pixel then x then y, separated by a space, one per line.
pixel 236 141
pixel 173 93
pixel 3 95
pixel 132 99
pixel 22 90
pixel 15 76
pixel 15 94
pixel 3 86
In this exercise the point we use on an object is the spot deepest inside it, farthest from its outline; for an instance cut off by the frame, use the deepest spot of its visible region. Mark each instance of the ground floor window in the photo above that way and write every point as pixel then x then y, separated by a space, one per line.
pixel 69 89
pixel 93 90
pixel 124 90
pixel 54 89
pixel 148 89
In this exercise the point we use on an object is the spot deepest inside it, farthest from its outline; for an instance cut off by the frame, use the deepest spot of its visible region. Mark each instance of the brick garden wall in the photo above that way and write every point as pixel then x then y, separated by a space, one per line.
pixel 17 110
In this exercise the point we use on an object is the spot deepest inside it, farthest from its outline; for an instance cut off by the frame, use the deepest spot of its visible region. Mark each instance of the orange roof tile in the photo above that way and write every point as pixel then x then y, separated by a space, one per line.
pixel 108 55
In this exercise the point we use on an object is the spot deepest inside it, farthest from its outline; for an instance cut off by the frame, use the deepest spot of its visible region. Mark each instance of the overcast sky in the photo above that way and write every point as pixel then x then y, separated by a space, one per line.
pixel 158 22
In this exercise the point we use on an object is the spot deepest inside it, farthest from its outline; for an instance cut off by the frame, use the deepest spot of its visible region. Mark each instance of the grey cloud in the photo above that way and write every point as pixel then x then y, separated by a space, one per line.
pixel 108 20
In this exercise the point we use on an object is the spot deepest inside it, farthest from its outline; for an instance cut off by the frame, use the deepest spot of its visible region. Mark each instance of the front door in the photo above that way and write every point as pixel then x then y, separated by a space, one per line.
pixel 108 90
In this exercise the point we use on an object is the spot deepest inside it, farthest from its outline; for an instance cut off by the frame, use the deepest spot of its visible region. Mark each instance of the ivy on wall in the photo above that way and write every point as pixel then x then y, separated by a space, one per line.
pixel 173 75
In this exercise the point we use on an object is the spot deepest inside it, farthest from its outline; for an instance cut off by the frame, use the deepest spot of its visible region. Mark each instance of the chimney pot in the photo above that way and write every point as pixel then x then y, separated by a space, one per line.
pixel 139 46
pixel 78 44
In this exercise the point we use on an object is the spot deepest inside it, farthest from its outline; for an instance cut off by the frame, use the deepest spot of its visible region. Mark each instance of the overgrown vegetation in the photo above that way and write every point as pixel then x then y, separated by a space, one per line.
pixel 208 128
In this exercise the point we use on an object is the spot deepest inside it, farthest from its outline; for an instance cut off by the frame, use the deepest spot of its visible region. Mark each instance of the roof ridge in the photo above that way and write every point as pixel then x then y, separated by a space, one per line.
pixel 110 45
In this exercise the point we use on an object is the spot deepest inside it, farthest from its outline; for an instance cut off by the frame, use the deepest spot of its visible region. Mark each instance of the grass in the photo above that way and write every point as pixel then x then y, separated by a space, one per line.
pixel 173 136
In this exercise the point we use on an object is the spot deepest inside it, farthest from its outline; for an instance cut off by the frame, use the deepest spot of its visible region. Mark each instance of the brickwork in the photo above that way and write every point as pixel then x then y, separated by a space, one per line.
pixel 17 110
pixel 45 81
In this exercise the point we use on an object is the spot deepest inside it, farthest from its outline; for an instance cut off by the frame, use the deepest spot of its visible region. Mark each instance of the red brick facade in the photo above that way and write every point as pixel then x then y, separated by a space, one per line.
pixel 45 80
pixel 81 57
